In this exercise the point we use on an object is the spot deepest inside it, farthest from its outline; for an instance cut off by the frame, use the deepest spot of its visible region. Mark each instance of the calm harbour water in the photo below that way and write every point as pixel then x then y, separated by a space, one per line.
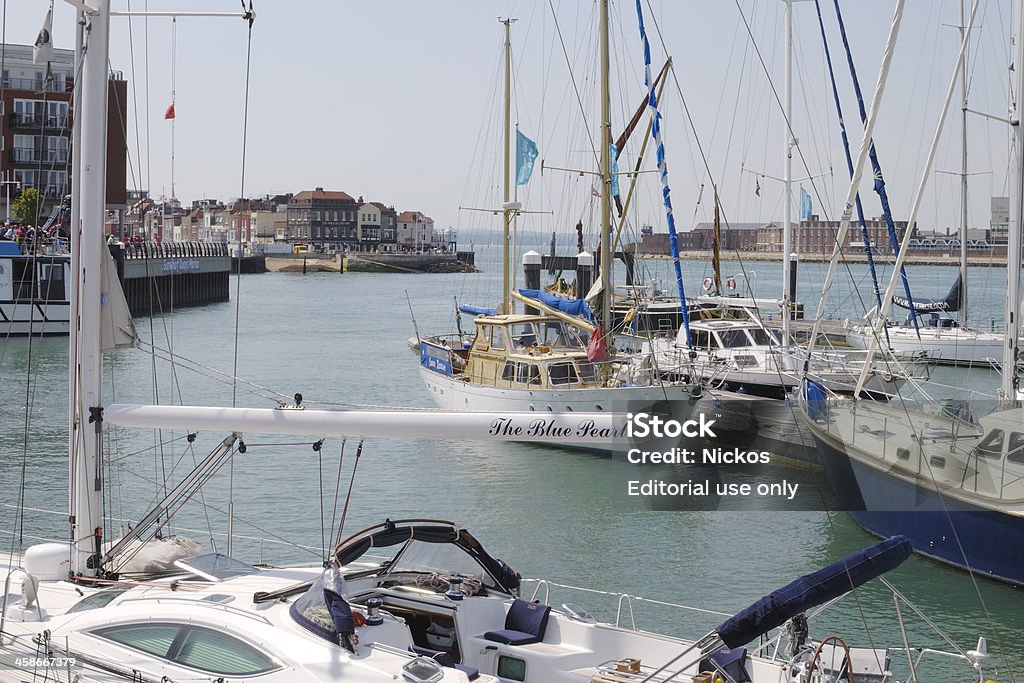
pixel 562 515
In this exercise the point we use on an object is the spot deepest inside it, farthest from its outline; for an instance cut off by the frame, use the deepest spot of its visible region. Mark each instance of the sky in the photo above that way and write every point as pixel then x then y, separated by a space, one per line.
pixel 400 102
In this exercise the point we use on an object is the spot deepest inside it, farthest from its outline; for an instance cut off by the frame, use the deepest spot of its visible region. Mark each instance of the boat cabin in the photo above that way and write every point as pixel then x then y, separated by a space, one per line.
pixel 517 351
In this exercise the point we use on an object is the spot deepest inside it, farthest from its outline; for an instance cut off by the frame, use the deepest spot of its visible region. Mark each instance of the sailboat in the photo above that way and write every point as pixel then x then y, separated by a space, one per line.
pixel 940 336
pixel 947 479
pixel 436 607
pixel 545 362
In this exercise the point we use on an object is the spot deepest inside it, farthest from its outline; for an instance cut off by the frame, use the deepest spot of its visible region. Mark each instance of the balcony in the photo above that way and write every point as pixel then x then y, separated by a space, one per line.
pixel 36 84
pixel 37 121
pixel 30 155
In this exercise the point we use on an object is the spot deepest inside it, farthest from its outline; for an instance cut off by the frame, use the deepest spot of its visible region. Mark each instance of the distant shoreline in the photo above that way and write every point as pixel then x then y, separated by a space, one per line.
pixel 850 257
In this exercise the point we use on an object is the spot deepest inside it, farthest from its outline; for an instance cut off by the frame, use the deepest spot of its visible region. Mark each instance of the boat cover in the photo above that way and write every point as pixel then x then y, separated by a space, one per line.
pixel 577 307
pixel 813 589
pixel 504 576
pixel 477 310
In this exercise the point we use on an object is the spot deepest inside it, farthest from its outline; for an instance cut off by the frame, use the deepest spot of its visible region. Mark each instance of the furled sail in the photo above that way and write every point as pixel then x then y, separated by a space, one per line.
pixel 951 302
pixel 577 307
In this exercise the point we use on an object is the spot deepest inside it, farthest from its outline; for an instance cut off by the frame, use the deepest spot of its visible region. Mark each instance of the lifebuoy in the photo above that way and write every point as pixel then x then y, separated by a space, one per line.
pixel 730 283
pixel 708 284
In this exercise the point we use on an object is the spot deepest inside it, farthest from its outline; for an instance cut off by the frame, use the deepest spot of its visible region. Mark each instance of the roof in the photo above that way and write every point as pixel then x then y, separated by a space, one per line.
pixel 319 195
pixel 413 216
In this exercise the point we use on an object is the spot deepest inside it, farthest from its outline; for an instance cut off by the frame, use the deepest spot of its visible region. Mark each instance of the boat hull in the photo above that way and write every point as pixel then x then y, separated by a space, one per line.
pixel 39 319
pixel 452 393
pixel 985 540
pixel 945 346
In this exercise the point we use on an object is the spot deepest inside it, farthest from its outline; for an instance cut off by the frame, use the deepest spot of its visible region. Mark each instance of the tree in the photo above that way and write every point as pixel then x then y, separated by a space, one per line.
pixel 28 207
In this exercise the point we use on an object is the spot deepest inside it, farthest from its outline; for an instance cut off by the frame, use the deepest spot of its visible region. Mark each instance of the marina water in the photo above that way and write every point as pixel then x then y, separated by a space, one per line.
pixel 340 340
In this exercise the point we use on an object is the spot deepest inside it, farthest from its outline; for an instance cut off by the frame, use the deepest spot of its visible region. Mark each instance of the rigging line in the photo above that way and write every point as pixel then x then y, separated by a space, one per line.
pixel 212 372
pixel 149 161
pixel 337 491
pixel 238 276
pixel 135 100
pixel 572 78
pixel 351 482
pixel 174 60
pixel 320 483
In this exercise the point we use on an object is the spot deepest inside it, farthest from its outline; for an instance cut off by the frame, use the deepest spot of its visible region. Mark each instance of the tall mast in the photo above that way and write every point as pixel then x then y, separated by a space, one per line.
pixel 506 283
pixel 1013 247
pixel 607 282
pixel 963 173
pixel 787 215
pixel 85 398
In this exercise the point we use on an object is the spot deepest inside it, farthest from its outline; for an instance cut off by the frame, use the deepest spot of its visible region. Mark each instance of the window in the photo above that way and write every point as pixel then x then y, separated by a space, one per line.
pixel 562 373
pixel 701 339
pixel 193 646
pixel 523 334
pixel 732 339
pixel 497 337
pixel 96 600
pixel 1015 453
pixel 991 446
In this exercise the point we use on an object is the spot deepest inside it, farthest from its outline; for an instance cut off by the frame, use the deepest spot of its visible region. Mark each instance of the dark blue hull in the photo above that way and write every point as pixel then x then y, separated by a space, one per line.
pixel 968 536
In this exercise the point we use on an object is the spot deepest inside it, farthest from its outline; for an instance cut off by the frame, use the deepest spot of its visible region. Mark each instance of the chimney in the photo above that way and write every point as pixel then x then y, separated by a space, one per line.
pixel 319 189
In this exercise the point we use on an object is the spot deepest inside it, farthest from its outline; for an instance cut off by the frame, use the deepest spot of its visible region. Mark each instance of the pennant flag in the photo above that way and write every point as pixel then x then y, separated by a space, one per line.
pixel 526 152
pixel 757 187
pixel 42 51
pixel 805 205
pixel 169 114
pixel 615 170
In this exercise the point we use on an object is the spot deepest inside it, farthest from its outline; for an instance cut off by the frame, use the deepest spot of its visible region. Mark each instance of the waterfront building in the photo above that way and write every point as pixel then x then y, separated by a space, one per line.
pixel 36 129
pixel 326 219
pixel 415 231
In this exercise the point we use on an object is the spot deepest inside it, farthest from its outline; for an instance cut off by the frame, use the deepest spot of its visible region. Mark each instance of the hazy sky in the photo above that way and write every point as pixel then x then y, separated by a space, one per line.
pixel 398 101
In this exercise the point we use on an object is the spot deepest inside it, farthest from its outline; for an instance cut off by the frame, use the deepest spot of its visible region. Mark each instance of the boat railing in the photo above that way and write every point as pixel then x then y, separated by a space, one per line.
pixel 624 601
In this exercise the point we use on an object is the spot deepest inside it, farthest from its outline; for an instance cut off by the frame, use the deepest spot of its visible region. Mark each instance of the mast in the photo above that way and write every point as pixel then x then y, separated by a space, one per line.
pixel 963 171
pixel 506 211
pixel 787 215
pixel 605 142
pixel 1013 247
pixel 86 411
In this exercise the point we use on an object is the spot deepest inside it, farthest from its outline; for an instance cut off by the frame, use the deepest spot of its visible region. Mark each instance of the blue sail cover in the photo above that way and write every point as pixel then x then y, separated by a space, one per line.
pixel 477 310
pixel 576 307
pixel 921 305
pixel 813 589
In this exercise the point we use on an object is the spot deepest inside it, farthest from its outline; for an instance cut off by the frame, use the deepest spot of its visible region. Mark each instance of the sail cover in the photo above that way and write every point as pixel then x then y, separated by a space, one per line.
pixel 951 302
pixel 477 310
pixel 576 307
pixel 813 589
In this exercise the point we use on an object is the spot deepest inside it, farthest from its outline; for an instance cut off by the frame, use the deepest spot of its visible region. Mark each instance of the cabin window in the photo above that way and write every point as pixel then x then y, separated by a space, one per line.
pixel 1015 453
pixel 588 372
pixel 497 337
pixel 523 334
pixel 701 339
pixel 562 373
pixel 511 668
pixel 508 373
pixel 193 646
pixel 761 337
pixel 991 446
pixel 733 339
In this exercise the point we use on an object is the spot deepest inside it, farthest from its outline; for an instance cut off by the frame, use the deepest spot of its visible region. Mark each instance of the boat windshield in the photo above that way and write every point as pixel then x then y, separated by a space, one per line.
pixel 437 559
pixel 733 339
pixel 558 335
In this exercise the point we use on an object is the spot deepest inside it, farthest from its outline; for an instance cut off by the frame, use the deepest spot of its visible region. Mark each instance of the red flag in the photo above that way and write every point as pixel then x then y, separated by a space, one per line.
pixel 169 114
pixel 596 349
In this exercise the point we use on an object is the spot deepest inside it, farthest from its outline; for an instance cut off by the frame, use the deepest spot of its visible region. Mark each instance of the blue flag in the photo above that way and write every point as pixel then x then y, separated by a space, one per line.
pixel 805 205
pixel 614 169
pixel 526 152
